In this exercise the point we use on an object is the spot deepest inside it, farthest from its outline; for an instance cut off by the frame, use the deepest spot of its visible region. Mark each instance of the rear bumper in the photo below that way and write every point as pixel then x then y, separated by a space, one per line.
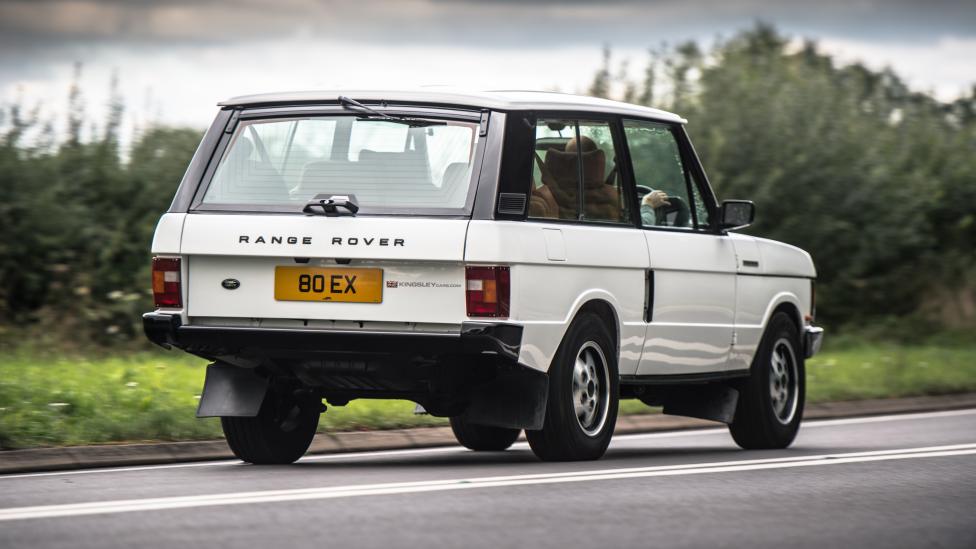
pixel 474 371
pixel 476 338
pixel 812 340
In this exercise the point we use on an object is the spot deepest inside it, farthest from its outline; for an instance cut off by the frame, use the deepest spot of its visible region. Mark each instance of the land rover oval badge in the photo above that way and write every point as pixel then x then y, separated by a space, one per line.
pixel 231 283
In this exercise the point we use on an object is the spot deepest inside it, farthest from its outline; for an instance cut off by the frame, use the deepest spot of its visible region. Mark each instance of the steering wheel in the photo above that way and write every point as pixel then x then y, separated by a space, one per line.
pixel 678 204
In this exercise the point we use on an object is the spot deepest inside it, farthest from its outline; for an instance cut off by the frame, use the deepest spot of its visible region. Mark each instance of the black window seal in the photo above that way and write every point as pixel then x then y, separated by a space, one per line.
pixel 693 162
pixel 686 170
pixel 579 170
pixel 586 222
pixel 627 171
pixel 489 183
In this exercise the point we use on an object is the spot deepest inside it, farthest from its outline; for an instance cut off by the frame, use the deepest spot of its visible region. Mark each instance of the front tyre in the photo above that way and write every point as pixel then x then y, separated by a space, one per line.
pixel 771 400
pixel 482 438
pixel 280 433
pixel 583 395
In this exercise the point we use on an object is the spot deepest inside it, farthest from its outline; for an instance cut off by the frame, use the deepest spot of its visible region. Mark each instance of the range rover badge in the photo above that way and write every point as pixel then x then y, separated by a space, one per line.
pixel 231 283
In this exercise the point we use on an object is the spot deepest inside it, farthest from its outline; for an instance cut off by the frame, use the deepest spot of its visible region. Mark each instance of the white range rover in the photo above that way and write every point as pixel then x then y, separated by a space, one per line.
pixel 510 260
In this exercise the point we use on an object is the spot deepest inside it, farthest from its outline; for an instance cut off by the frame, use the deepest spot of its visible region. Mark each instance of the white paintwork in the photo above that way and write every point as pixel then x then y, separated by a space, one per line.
pixel 694 303
pixel 714 294
pixel 169 233
pixel 503 100
pixel 699 301
pixel 424 239
pixel 556 269
pixel 429 261
pixel 255 297
pixel 782 259
pixel 602 263
pixel 758 296
pixel 555 245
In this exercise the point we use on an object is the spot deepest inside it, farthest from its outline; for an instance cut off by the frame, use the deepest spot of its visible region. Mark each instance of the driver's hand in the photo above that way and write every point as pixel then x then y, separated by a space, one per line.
pixel 656 199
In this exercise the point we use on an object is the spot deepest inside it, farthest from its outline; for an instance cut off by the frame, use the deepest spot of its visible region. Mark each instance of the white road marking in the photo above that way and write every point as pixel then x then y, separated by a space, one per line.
pixel 887 418
pixel 518 445
pixel 335 492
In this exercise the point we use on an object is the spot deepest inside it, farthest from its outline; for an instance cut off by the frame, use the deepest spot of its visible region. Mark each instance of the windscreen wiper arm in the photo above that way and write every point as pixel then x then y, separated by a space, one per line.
pixel 373 114
pixel 328 205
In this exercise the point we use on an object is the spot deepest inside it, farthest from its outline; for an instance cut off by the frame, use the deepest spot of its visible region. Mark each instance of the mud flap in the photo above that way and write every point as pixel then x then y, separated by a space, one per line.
pixel 715 402
pixel 515 399
pixel 230 391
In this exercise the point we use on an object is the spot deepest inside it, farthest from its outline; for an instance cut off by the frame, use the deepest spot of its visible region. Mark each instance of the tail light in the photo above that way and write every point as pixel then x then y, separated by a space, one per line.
pixel 167 291
pixel 488 291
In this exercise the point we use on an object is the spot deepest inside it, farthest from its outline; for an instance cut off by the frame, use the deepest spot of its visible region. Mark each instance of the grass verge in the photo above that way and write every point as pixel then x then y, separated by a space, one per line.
pixel 153 396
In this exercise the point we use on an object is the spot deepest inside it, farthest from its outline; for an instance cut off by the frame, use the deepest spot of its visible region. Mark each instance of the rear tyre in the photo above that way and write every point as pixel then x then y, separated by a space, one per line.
pixel 771 400
pixel 483 438
pixel 280 433
pixel 583 395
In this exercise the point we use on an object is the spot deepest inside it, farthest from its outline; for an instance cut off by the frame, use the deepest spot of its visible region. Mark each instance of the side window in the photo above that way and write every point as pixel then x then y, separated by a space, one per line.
pixel 603 196
pixel 575 165
pixel 659 174
pixel 555 173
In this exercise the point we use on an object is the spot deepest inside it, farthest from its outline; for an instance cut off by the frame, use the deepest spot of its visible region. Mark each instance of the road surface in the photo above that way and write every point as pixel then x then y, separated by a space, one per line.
pixel 889 481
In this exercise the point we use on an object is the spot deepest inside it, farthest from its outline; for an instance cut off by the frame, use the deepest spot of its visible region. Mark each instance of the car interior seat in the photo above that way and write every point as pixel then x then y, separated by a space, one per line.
pixel 601 201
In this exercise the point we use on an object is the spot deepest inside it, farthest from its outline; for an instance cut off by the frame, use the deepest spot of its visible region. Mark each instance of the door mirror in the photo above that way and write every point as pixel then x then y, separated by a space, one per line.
pixel 736 214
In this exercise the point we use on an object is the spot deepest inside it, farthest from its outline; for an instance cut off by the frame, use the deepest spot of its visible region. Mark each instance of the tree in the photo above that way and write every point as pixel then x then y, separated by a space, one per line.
pixel 601 81
pixel 846 162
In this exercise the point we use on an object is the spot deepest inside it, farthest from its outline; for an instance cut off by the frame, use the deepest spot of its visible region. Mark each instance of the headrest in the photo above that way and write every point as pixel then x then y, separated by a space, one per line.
pixel 562 166
pixel 454 173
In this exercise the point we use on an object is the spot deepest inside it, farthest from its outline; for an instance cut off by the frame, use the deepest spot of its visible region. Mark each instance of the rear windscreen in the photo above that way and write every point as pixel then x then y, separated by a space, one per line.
pixel 384 164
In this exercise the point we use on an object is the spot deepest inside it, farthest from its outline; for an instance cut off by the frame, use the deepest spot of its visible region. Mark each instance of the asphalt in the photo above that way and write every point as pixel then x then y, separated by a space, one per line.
pixel 886 481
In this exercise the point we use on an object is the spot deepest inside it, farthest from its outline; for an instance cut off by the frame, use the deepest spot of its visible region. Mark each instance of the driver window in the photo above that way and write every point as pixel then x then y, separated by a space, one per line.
pixel 662 189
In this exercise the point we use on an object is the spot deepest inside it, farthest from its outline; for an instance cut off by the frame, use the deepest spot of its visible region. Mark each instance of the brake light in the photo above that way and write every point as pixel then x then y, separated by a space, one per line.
pixel 487 290
pixel 167 291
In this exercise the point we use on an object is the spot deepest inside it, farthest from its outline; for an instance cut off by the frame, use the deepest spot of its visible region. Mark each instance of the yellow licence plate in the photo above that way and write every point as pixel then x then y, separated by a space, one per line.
pixel 326 284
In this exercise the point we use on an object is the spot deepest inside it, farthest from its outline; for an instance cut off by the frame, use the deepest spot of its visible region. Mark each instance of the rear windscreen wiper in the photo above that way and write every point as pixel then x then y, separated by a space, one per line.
pixel 328 205
pixel 373 114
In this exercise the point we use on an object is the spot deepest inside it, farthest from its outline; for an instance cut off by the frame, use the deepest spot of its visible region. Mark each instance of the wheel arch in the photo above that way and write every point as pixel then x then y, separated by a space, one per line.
pixel 541 338
pixel 785 303
pixel 607 313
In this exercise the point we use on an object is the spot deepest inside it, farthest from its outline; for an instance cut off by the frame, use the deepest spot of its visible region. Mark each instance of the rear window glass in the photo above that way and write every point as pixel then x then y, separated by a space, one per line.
pixel 385 165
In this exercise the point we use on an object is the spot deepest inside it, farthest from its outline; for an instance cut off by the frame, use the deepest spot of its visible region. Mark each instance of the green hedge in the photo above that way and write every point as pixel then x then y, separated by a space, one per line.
pixel 153 396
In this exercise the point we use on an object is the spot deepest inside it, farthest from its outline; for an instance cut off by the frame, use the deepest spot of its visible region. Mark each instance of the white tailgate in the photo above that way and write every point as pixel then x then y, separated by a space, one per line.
pixel 423 272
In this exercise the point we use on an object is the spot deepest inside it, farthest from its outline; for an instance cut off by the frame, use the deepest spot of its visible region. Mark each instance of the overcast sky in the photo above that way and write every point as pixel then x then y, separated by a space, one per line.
pixel 176 58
